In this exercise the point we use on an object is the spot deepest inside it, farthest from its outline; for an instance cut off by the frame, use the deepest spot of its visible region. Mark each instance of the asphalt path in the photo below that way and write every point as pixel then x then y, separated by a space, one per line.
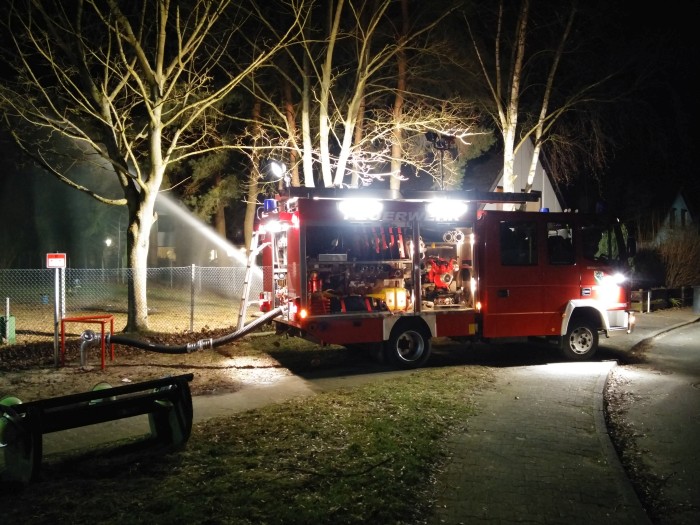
pixel 661 409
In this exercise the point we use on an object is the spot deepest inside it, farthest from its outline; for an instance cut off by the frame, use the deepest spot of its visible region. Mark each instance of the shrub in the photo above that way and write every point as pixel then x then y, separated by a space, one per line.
pixel 680 254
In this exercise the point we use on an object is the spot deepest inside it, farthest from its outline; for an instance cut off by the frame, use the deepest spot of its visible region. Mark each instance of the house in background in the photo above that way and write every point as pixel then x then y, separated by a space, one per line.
pixel 654 225
pixel 664 219
pixel 486 174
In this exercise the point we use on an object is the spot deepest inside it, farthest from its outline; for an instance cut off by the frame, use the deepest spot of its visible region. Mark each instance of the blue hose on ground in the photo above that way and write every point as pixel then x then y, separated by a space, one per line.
pixel 89 337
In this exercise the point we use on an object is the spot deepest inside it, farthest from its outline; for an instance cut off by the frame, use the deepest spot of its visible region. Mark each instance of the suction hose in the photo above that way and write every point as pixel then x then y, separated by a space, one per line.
pixel 89 338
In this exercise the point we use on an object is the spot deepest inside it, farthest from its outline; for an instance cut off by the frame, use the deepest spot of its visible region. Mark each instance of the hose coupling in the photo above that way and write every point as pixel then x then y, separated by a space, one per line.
pixel 202 344
pixel 90 337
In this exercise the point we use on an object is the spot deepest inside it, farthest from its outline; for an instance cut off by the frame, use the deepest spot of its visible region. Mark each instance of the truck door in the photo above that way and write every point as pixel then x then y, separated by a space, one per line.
pixel 561 280
pixel 510 277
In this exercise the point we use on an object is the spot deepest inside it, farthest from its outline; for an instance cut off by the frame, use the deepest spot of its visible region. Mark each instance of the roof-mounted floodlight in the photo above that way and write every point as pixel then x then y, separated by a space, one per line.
pixel 446 209
pixel 273 170
pixel 274 226
pixel 361 209
pixel 278 169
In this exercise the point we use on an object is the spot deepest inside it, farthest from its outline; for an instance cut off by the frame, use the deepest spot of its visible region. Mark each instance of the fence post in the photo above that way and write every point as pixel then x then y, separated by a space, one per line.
pixel 649 301
pixel 192 299
pixel 59 310
pixel 63 292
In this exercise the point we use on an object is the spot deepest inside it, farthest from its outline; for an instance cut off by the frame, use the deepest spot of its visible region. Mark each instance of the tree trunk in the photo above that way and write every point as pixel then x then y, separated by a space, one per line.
pixel 510 120
pixel 220 215
pixel 307 152
pixel 141 219
pixel 253 189
pixel 250 208
pixel 325 97
pixel 292 130
pixel 509 158
pixel 539 129
pixel 359 135
pixel 397 138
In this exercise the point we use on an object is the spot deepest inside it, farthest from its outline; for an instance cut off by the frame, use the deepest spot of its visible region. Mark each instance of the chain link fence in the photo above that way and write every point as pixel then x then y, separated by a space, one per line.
pixel 180 299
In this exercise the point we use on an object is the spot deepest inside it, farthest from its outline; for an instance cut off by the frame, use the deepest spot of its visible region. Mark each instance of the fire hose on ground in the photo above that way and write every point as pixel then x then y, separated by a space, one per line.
pixel 90 338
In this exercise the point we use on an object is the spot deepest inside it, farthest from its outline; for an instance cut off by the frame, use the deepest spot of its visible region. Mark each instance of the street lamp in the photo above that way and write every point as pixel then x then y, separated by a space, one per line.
pixel 108 243
pixel 441 143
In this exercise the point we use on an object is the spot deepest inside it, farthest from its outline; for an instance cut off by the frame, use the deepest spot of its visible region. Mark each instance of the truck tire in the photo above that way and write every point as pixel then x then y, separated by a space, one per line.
pixel 407 348
pixel 581 340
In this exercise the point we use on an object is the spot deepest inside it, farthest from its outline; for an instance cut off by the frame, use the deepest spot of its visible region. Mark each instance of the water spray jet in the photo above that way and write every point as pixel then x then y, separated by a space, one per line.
pixel 91 338
pixel 207 231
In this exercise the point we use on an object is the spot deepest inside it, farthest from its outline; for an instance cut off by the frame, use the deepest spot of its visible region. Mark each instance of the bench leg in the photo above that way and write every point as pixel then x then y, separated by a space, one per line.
pixel 22 453
pixel 172 423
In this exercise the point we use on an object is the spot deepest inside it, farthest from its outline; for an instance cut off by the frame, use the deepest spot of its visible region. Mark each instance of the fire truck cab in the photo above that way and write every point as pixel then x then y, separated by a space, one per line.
pixel 395 270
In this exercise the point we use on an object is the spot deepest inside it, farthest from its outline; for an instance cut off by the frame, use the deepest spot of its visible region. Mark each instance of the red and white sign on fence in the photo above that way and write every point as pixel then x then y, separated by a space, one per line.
pixel 55 260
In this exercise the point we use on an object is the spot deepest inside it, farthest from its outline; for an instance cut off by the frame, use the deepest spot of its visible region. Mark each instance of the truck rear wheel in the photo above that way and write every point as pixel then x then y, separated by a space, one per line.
pixel 581 341
pixel 408 348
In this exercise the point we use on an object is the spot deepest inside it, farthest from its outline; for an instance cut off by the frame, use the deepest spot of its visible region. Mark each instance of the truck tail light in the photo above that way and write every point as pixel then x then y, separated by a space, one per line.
pixel 296 312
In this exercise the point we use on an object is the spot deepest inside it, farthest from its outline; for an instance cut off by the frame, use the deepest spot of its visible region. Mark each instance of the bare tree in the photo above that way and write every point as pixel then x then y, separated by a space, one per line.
pixel 401 88
pixel 334 111
pixel 504 87
pixel 357 118
pixel 544 117
pixel 135 84
pixel 520 74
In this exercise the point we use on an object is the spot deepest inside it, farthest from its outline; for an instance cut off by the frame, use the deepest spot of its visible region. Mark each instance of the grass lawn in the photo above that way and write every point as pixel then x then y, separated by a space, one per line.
pixel 363 455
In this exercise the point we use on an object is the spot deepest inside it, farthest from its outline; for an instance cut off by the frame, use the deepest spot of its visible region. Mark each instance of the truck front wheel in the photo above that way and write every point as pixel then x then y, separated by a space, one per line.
pixel 581 341
pixel 408 348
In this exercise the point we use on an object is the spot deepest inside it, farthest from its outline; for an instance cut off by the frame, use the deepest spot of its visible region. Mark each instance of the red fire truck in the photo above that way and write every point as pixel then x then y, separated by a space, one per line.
pixel 394 270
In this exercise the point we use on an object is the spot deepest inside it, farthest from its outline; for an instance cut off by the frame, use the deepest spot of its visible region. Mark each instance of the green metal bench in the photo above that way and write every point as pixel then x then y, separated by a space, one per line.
pixel 166 401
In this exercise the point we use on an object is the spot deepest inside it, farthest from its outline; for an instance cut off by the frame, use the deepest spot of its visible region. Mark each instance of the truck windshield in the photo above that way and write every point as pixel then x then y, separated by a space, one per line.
pixel 604 242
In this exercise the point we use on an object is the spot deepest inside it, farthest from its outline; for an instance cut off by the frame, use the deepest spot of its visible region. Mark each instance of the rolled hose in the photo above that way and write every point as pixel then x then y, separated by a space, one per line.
pixel 90 337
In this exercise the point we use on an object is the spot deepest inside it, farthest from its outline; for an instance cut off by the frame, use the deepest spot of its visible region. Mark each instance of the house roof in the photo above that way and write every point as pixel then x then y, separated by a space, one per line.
pixel 485 173
pixel 651 219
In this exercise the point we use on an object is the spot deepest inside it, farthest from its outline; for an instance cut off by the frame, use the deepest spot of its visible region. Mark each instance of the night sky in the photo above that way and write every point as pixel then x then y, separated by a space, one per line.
pixel 657 151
